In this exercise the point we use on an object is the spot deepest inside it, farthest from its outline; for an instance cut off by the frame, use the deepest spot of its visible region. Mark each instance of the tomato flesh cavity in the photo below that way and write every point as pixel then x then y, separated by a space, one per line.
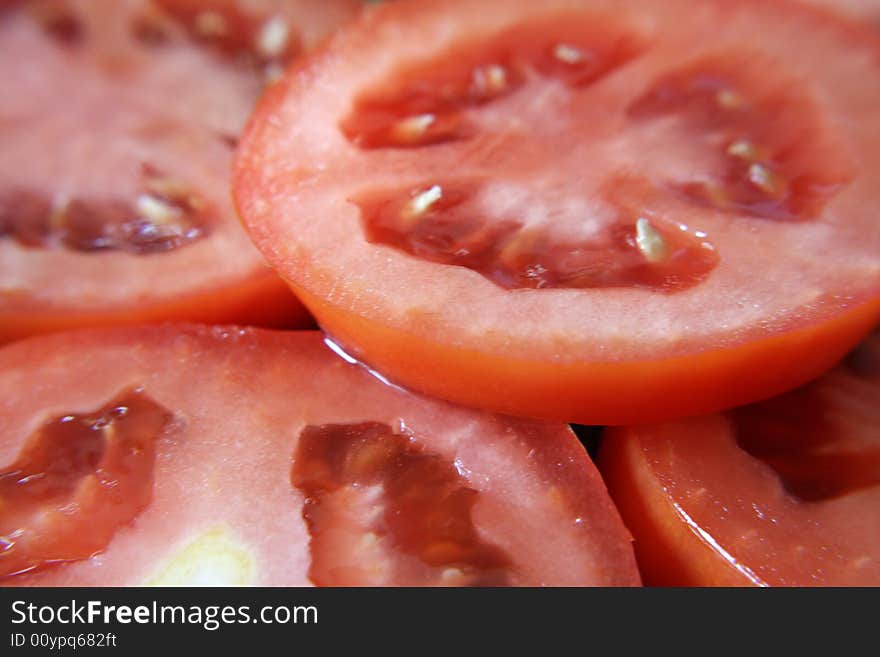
pixel 426 523
pixel 440 223
pixel 434 102
pixel 77 481
pixel 783 492
pixel 181 455
pixel 163 217
pixel 118 137
pixel 773 160
pixel 514 173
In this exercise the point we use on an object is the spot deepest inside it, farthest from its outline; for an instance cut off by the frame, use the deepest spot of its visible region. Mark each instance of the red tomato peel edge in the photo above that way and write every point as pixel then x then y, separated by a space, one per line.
pixel 599 393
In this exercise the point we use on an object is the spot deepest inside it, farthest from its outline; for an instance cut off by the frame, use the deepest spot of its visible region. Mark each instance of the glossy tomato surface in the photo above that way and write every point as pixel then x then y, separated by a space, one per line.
pixel 117 138
pixel 784 492
pixel 197 455
pixel 604 212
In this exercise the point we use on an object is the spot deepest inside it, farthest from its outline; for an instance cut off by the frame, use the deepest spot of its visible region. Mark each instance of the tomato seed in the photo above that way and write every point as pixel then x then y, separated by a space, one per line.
pixel 650 242
pixel 273 38
pixel 568 54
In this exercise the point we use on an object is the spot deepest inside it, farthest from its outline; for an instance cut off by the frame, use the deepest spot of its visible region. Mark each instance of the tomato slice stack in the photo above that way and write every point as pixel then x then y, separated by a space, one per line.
pixel 209 455
pixel 653 215
pixel 117 139
pixel 607 212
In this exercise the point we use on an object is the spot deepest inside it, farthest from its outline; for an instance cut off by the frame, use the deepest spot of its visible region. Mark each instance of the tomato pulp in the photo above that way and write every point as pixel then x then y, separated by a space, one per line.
pixel 604 212
pixel 195 455
pixel 117 139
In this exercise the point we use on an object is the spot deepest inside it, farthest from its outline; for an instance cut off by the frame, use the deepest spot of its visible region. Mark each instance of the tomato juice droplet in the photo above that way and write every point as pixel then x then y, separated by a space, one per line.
pixel 78 479
pixel 408 512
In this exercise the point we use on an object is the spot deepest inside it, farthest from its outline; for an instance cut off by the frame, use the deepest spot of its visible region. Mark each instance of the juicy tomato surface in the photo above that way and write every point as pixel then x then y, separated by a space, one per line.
pixel 603 212
pixel 117 139
pixel 211 455
pixel 783 492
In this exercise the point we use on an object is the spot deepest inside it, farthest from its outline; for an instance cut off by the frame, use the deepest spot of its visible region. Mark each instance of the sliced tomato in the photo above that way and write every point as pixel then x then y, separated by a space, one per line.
pixel 784 492
pixel 599 212
pixel 117 139
pixel 196 455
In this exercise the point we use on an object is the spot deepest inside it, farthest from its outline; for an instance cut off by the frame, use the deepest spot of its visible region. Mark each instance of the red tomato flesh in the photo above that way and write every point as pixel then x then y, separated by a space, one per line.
pixel 624 211
pixel 195 455
pixel 784 492
pixel 117 139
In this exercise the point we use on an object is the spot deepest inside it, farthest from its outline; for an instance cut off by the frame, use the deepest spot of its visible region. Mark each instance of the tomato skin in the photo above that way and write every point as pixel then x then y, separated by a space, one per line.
pixel 599 393
pixel 264 301
pixel 779 493
pixel 670 550
pixel 223 506
pixel 458 340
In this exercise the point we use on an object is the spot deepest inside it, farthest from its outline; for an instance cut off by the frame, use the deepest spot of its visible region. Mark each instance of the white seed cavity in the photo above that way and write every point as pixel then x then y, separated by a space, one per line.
pixel 568 54
pixel 729 99
pixel 157 211
pixel 414 127
pixel 211 24
pixel 420 204
pixel 273 37
pixel 764 179
pixel 650 241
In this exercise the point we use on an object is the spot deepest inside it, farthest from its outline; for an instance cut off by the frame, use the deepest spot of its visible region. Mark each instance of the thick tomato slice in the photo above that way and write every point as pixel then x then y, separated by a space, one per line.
pixel 784 492
pixel 196 455
pixel 117 140
pixel 600 212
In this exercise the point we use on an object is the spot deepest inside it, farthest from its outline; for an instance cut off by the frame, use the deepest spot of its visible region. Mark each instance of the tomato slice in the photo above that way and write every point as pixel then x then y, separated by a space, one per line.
pixel 117 138
pixel 600 212
pixel 784 492
pixel 221 455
